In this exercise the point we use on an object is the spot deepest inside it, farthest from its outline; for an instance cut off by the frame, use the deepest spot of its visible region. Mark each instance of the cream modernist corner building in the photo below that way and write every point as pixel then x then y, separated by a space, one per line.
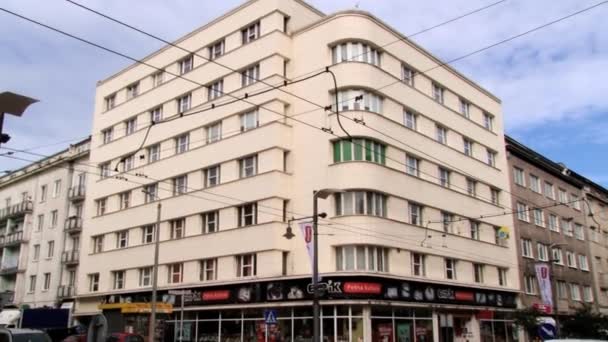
pixel 230 177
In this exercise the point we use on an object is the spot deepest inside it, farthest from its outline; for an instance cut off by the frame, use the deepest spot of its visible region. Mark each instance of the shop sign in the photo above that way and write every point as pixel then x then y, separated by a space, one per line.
pixel 215 295
pixel 362 288
pixel 464 296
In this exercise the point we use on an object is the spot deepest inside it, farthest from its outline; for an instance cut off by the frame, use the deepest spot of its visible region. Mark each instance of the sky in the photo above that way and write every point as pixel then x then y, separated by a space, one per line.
pixel 552 82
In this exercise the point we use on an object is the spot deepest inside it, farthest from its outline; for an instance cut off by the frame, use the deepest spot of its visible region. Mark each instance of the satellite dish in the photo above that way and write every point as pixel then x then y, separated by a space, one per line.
pixel 98 329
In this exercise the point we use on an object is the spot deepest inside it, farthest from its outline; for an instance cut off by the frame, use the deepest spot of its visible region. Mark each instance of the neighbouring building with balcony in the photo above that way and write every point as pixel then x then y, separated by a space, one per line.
pixel 551 228
pixel 415 248
pixel 40 223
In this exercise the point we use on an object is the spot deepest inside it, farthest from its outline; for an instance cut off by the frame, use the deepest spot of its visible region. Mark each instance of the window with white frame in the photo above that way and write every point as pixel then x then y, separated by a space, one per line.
pixel 575 292
pixel 522 212
pixel 54 215
pixel 145 276
pixel 362 258
pixel 583 263
pixel 216 49
pixel 151 192
pixel 178 228
pixel 438 92
pixel 548 190
pixel 208 269
pixel 212 176
pixel 587 294
pixel 566 226
pixel 570 259
pixel 543 252
pixel 246 265
pixel 465 108
pixel 441 134
pixel 40 224
pixel 214 132
pixel 128 163
pixel 182 143
pixel 474 229
pixel 478 272
pixel 576 204
pixel 122 239
pixel 124 199
pixel 409 119
pixel 110 101
pixel 526 248
pixel 471 187
pixel 180 185
pixel 36 252
pixel 156 114
pixel 552 223
pixel 248 166
pixel 158 78
pixel 106 135
pixel 359 149
pixel 491 157
pixel 101 206
pixel 495 196
pixel 211 221
pixel 148 233
pixel 418 265
pixel 132 90
pixel 118 280
pixel 502 276
pixel 412 165
pixel 562 196
pixel 360 203
pixel 444 177
pixel 356 52
pixel 250 33
pixel 579 232
pixel 153 153
pixel 249 120
pixel 175 272
pixel 415 214
pixel 535 183
pixel 186 64
pixel 530 285
pixel 250 75
pixel 247 214
pixel 130 126
pixel 538 216
pixel 97 244
pixel 407 75
pixel 56 188
pixel 32 284
pixel 358 99
pixel 450 268
pixel 558 257
pixel 446 221
pixel 562 290
pixel 47 282
pixel 184 103
pixel 215 90
pixel 93 282
pixel 488 121
pixel 518 176
pixel 467 147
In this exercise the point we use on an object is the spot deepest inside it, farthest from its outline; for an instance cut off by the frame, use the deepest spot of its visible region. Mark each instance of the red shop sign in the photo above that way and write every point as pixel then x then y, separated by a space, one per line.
pixel 462 295
pixel 362 288
pixel 215 295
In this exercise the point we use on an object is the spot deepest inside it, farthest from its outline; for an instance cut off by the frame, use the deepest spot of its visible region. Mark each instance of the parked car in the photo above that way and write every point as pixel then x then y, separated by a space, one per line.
pixel 23 335
pixel 76 338
pixel 123 337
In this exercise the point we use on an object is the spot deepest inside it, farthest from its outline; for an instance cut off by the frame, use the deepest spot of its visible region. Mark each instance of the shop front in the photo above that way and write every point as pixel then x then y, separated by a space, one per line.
pixel 354 308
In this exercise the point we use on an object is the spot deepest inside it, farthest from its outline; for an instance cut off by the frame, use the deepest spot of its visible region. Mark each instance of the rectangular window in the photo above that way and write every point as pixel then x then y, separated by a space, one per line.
pixel 450 269
pixel 557 256
pixel 43 193
pixel 447 220
pixel 444 177
pixel 110 101
pixel 583 263
pixel 575 292
pixel 246 265
pixel 412 166
pixel 579 232
pixel 488 121
pixel 130 126
pixel 415 214
pixel 502 276
pixel 530 285
pixel 359 149
pixel 438 92
pixel 211 221
pixel 587 294
pixel 184 103
pixel 104 170
pixel 216 49
pixel 156 114
pixel 249 120
pixel 418 265
pixel 158 78
pixel 518 176
pixel 145 276
pixel 186 64
pixel 93 282
pixel 180 185
pixel 441 134
pixel 101 206
pixel 478 272
pixel 409 119
pixel 562 290
pixel 539 218
pixel 178 228
pixel 148 234
pixel 467 147
pixel 56 188
pixel 562 196
pixel 36 253
pixel 465 108
pixel 552 223
pixel 248 214
pixel 132 90
pixel 118 280
pixel 128 163
pixel 361 203
pixel 208 270
pixel 97 244
pixel 176 273
pixel 250 33
pixel 522 212
pixel 576 204
pixel 471 187
pixel 474 229
pixel 362 257
pixel 151 192
pixel 407 75
pixel 248 166
pixel 566 227
pixel 154 153
pixel 50 249
pixel 125 200
pixel 47 282
pixel 570 259
pixel 491 157
pixel 106 135
pixel 543 252
pixel 250 75
pixel 54 216
pixel 495 196
pixel 32 283
pixel 214 132
pixel 122 239
pixel 549 190
pixel 526 248
pixel 40 224
pixel 182 143
pixel 215 90
pixel 535 183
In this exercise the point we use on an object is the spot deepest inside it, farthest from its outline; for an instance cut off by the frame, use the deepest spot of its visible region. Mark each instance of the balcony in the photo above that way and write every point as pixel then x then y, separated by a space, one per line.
pixel 73 225
pixel 66 291
pixel 18 209
pixel 76 193
pixel 12 239
pixel 9 270
pixel 70 258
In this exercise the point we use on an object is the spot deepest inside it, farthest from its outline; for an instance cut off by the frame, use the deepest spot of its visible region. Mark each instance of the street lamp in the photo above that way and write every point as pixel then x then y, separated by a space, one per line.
pixel 15 104
pixel 152 327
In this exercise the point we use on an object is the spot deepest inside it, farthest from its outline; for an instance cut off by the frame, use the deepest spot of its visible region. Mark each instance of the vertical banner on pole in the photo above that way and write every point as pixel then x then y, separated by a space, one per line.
pixel 307 231
pixel 544 283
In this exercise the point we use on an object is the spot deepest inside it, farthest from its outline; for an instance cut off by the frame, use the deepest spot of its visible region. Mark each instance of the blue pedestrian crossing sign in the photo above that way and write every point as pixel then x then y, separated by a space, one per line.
pixel 270 316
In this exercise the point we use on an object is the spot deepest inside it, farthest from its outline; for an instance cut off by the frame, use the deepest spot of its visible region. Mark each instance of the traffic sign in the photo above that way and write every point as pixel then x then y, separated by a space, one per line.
pixel 270 316
pixel 547 331
pixel 180 292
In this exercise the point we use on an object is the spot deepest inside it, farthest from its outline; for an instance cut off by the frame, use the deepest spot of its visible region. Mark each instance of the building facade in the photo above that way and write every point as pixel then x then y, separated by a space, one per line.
pixel 551 228
pixel 415 247
pixel 40 225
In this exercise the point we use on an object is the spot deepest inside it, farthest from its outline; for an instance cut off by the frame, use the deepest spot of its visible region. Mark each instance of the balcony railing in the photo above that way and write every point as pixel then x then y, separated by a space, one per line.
pixel 70 258
pixel 73 224
pixel 76 193
pixel 16 209
pixel 12 239
pixel 65 291
pixel 9 270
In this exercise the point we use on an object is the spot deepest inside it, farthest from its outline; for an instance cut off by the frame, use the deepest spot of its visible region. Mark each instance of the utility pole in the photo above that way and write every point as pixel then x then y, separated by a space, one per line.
pixel 152 329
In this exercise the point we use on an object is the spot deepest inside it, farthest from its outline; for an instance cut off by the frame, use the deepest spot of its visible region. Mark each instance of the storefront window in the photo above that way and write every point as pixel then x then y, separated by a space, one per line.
pixel 498 331
pixel 401 324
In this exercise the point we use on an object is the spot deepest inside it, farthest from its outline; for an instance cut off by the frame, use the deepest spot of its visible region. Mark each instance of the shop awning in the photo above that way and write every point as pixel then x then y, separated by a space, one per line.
pixel 138 307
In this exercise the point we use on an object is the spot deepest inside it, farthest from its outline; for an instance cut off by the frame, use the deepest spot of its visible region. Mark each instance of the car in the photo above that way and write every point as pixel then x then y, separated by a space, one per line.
pixel 23 335
pixel 123 337
pixel 76 338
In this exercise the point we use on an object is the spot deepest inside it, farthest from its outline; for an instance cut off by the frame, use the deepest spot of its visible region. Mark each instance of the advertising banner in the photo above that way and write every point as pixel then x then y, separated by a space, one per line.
pixel 544 283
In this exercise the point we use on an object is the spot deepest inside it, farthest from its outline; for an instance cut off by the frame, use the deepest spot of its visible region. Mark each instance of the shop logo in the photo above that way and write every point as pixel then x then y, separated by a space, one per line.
pixel 331 287
pixel 445 294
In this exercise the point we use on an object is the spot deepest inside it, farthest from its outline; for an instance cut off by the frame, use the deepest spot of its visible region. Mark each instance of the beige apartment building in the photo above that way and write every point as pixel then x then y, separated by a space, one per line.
pixel 415 248
pixel 40 225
